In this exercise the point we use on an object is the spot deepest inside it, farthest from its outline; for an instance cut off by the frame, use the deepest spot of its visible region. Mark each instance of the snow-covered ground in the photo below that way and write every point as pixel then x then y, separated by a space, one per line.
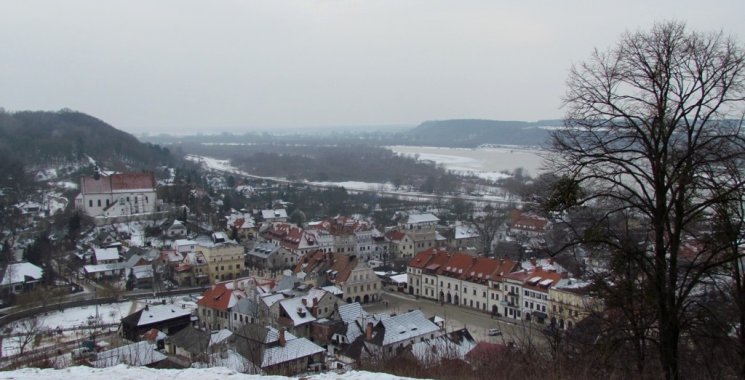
pixel 123 372
pixel 225 166
pixel 85 316
pixel 489 163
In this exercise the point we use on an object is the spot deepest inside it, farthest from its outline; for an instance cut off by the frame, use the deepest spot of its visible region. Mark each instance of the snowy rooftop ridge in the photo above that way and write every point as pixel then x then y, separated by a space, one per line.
pixel 158 313
pixel 142 373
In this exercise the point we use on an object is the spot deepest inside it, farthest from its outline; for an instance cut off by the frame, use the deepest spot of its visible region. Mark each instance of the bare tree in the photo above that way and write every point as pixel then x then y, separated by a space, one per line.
pixel 487 225
pixel 27 330
pixel 646 125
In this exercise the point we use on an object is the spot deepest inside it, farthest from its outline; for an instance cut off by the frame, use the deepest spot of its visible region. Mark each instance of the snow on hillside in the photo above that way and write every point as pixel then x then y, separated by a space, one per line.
pixel 123 372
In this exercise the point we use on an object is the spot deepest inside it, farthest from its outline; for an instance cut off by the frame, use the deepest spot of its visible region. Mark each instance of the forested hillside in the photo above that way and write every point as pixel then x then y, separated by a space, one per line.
pixel 37 138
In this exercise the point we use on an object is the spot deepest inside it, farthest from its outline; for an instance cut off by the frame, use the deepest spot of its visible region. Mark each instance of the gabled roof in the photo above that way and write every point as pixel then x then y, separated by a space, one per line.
pixel 151 314
pixel 218 297
pixel 505 267
pixel 117 182
pixel 528 222
pixel 454 346
pixel 297 311
pixel 191 339
pixel 261 346
pixel 136 354
pixel 482 269
pixel 403 327
pixel 18 273
pixel 395 236
pixel 103 254
pixel 351 311
pixel 423 258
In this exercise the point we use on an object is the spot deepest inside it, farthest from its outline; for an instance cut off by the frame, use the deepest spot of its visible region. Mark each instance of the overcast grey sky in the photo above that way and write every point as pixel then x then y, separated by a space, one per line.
pixel 209 66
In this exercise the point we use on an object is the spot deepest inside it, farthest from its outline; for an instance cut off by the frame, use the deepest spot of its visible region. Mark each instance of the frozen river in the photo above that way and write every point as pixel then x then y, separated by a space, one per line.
pixel 489 163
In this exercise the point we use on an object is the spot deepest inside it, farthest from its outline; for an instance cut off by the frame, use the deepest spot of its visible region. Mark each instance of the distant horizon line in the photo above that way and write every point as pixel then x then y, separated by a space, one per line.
pixel 311 128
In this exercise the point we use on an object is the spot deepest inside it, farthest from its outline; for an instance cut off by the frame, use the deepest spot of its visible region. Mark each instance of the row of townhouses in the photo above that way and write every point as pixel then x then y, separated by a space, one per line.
pixel 534 290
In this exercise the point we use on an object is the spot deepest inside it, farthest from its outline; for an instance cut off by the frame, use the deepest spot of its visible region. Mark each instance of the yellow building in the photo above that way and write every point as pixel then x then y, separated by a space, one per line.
pixel 225 261
pixel 570 302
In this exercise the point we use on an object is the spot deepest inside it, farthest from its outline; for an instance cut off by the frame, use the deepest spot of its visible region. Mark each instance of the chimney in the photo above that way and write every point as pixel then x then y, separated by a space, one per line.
pixel 282 341
pixel 305 302
pixel 369 331
pixel 147 307
pixel 315 301
pixel 533 261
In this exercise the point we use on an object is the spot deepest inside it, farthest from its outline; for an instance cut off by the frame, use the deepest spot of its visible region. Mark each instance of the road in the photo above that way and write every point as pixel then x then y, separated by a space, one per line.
pixel 520 332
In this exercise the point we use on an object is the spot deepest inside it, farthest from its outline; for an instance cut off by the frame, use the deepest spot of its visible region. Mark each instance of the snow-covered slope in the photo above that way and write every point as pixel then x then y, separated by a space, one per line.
pixel 122 372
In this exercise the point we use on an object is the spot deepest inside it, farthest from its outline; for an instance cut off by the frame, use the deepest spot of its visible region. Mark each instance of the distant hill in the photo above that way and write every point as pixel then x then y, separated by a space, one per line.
pixel 39 138
pixel 474 132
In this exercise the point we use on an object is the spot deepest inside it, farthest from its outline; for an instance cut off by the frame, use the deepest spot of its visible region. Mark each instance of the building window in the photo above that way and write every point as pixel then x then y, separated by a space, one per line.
pixel 99 203
pixel 90 203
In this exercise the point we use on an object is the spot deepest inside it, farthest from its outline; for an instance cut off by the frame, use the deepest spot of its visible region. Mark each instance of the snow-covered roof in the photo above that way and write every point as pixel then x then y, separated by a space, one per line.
pixel 333 289
pixel 402 278
pixel 406 326
pixel 143 271
pixel 219 371
pixel 571 283
pixel 450 346
pixel 297 311
pixel 220 336
pixel 465 232
pixel 136 354
pixel 273 214
pixel 351 311
pixel 422 218
pixel 16 273
pixel 159 313
pixel 104 254
pixel 272 299
pixel 103 267
pixel 293 349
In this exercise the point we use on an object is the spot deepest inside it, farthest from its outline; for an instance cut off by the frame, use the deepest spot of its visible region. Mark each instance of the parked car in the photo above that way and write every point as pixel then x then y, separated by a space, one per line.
pixel 494 332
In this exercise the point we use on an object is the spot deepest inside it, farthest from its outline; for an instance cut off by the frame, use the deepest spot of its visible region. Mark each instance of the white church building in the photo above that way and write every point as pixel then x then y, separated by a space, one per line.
pixel 117 195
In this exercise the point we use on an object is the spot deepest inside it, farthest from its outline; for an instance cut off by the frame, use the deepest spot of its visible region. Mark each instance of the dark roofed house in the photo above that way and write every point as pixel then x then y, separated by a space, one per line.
pixel 167 318
pixel 276 352
pixel 194 345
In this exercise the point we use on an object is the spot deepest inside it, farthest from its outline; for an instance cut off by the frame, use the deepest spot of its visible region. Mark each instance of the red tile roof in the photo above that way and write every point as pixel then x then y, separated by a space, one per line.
pixel 395 236
pixel 481 270
pixel 217 297
pixel 117 182
pixel 458 264
pixel 422 259
pixel 528 222
pixel 505 267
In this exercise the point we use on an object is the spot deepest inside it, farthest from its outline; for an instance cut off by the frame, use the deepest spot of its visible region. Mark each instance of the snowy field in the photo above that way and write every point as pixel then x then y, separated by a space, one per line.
pixel 225 166
pixel 123 372
pixel 75 319
pixel 487 163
